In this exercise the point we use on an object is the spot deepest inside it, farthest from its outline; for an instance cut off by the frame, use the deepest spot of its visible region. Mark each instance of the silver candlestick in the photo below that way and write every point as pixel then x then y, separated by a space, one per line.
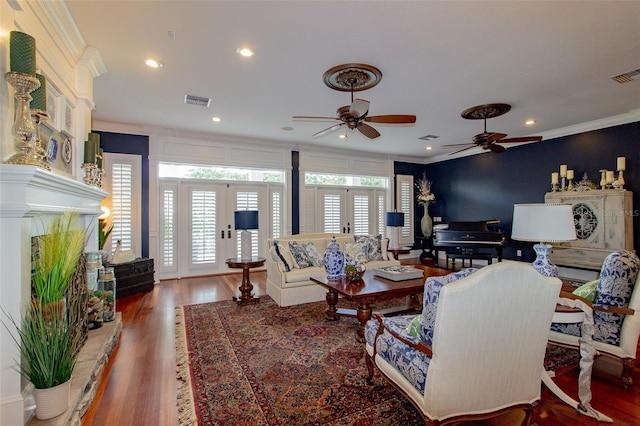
pixel 23 128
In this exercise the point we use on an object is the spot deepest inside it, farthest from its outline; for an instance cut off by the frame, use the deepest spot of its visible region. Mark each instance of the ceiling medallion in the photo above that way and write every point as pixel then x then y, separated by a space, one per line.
pixel 352 77
pixel 482 112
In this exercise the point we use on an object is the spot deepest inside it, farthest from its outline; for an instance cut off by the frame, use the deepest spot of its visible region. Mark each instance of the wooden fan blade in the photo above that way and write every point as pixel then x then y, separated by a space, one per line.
pixel 522 139
pixel 494 147
pixel 359 108
pixel 368 131
pixel 327 130
pixel 392 119
pixel 464 149
pixel 311 117
pixel 458 144
pixel 496 136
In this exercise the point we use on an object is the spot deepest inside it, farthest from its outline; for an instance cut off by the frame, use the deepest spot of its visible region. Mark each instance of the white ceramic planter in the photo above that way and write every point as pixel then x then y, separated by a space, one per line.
pixel 52 402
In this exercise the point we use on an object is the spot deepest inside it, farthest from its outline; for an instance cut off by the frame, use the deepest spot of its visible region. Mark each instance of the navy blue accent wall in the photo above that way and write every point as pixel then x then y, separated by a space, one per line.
pixel 137 145
pixel 295 192
pixel 487 186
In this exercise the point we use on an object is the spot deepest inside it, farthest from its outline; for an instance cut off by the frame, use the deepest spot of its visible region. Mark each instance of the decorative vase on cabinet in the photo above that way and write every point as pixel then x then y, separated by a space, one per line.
pixel 426 223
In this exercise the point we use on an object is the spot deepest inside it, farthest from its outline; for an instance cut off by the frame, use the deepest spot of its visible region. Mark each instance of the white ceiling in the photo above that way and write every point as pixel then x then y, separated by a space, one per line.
pixel 552 61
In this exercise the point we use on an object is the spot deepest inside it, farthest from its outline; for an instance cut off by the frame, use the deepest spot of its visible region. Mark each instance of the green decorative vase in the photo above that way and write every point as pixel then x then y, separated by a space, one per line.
pixel 426 223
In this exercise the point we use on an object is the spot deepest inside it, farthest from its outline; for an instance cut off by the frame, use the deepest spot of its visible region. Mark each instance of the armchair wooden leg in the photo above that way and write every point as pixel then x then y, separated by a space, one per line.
pixel 369 362
pixel 628 366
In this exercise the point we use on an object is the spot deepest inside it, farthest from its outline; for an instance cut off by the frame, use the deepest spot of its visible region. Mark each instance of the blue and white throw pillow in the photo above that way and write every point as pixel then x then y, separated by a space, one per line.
pixel 283 253
pixel 355 252
pixel 372 246
pixel 313 254
pixel 299 255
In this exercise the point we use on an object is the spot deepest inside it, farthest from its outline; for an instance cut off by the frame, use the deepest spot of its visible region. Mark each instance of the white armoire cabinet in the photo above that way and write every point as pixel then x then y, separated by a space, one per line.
pixel 604 223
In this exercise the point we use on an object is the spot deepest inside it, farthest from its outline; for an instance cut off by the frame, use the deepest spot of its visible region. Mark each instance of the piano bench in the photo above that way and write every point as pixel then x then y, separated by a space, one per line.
pixel 464 256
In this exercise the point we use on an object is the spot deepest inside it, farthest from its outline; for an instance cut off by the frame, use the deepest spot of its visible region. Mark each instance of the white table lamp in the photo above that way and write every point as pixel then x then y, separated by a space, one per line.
pixel 543 223
pixel 245 220
pixel 395 221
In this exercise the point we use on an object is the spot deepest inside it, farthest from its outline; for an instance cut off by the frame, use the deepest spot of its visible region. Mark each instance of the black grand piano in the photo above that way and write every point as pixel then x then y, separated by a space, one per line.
pixel 469 240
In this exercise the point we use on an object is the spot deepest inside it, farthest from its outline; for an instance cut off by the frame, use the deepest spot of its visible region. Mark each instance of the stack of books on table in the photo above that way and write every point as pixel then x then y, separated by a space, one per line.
pixel 398 272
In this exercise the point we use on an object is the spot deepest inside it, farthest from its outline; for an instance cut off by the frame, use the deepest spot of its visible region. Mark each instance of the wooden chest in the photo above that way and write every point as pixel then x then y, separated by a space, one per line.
pixel 133 277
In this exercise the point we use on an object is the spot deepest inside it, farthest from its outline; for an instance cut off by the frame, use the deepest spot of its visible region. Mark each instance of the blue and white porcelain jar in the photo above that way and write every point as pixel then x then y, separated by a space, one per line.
pixel 333 260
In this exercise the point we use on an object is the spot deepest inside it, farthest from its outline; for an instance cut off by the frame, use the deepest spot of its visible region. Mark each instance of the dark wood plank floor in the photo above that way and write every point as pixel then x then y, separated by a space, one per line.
pixel 140 388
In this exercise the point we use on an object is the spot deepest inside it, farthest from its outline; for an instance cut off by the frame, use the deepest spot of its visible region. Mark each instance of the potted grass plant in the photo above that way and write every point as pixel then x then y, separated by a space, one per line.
pixel 47 344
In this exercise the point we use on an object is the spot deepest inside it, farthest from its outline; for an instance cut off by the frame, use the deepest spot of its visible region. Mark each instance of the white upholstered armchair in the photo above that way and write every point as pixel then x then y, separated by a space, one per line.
pixel 477 348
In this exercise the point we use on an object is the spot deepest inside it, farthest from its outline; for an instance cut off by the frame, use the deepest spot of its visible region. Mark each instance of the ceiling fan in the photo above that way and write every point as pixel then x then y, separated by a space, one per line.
pixel 488 140
pixel 353 78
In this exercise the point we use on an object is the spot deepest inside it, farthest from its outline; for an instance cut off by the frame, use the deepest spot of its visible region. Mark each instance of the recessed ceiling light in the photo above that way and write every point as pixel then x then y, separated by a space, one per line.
pixel 216 119
pixel 153 63
pixel 343 136
pixel 530 122
pixel 429 148
pixel 246 52
pixel 287 128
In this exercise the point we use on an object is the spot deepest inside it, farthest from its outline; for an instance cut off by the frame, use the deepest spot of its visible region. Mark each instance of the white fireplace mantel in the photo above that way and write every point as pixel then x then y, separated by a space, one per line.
pixel 29 198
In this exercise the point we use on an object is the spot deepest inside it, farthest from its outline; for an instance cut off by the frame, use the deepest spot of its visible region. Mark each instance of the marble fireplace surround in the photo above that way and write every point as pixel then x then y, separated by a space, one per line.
pixel 29 198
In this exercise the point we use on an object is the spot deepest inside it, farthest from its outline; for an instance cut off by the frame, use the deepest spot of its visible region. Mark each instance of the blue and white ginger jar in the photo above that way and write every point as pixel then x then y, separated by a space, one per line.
pixel 333 260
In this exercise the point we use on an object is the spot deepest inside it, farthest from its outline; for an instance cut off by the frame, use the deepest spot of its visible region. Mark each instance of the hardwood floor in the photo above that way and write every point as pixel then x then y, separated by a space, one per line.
pixel 141 385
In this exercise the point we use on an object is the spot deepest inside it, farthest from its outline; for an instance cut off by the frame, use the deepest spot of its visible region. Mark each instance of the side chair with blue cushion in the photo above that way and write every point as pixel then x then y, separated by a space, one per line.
pixel 477 348
pixel 616 313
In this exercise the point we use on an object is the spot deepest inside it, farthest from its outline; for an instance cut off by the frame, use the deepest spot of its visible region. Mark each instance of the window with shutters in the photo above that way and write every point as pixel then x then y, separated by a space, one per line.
pixel 203 227
pixel 123 182
pixel 361 214
pixel 404 203
pixel 332 213
pixel 168 222
pixel 276 214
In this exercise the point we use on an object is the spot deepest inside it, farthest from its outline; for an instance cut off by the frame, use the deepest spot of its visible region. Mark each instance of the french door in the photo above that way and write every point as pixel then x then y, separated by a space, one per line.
pixel 197 230
pixel 351 211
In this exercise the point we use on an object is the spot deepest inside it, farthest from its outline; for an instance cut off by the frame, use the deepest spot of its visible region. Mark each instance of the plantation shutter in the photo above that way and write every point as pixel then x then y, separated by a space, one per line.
pixel 382 229
pixel 247 200
pixel 276 215
pixel 332 218
pixel 361 214
pixel 203 227
pixel 168 222
pixel 404 203
pixel 124 184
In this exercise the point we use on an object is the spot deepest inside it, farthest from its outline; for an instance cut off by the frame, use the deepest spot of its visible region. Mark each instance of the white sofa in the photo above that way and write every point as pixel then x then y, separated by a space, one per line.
pixel 293 286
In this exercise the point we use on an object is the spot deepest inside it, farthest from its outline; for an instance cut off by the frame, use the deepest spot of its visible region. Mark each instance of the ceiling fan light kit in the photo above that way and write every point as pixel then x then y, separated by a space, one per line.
pixel 354 78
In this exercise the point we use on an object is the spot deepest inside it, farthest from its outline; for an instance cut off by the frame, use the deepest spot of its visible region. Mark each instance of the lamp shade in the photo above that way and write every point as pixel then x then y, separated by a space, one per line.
pixel 395 219
pixel 543 223
pixel 246 219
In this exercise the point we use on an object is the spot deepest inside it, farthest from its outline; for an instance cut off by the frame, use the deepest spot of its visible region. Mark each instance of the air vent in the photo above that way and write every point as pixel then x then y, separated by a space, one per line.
pixel 197 100
pixel 627 77
pixel 428 137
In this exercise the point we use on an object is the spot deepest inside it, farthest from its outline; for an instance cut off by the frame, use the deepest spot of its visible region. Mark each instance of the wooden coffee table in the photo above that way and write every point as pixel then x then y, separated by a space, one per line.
pixel 369 290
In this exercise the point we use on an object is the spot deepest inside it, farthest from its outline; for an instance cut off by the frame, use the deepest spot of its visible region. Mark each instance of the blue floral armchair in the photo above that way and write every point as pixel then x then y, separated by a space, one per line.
pixel 477 348
pixel 616 313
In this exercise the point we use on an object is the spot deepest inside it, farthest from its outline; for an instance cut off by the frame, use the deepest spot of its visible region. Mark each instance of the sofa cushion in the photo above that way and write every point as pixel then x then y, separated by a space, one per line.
pixel 300 256
pixel 372 246
pixel 355 252
pixel 283 255
pixel 314 255
pixel 432 288
pixel 299 277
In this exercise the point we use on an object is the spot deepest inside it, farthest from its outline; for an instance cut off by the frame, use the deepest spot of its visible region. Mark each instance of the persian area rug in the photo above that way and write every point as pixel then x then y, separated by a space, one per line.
pixel 265 365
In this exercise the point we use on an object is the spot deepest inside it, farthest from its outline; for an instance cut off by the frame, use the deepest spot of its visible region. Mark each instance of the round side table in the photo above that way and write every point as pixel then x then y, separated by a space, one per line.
pixel 246 288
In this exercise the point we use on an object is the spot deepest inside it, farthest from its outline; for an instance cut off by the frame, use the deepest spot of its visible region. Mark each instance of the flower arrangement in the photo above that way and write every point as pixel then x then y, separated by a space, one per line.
pixel 424 195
